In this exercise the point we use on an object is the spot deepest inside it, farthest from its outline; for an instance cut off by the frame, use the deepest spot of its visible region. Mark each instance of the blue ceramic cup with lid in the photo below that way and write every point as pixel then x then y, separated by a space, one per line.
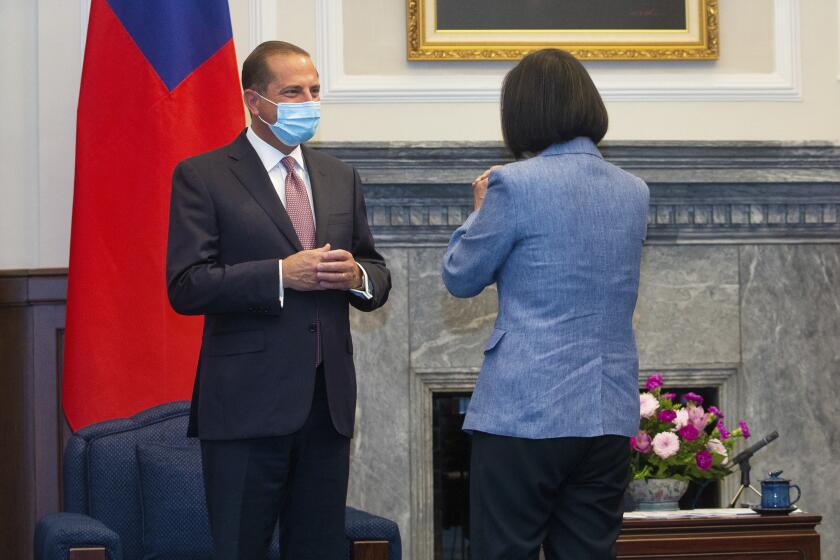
pixel 775 492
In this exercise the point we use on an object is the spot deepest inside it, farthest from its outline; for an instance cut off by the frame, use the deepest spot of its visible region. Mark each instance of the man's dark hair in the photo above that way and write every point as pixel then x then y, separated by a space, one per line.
pixel 255 72
pixel 549 98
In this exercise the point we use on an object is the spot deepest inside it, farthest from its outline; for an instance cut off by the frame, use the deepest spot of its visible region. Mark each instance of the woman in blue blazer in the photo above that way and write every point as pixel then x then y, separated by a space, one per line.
pixel 560 232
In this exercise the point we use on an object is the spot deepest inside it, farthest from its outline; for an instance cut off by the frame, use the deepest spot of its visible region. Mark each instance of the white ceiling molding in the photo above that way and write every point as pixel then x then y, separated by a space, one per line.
pixel 782 84
pixel 262 22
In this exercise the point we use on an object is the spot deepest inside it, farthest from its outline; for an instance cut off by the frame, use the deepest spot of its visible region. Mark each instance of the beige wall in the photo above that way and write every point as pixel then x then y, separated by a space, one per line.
pixel 18 139
pixel 42 44
pixel 374 44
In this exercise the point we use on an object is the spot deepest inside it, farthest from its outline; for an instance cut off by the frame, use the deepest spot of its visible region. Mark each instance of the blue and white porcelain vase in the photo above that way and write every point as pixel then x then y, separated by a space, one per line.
pixel 657 494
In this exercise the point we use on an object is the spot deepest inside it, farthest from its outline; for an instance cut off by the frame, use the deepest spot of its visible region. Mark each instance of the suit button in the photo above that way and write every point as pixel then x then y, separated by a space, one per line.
pixel 312 328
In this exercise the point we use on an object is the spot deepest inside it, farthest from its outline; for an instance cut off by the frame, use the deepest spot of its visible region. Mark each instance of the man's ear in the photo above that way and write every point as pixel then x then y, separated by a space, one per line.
pixel 251 100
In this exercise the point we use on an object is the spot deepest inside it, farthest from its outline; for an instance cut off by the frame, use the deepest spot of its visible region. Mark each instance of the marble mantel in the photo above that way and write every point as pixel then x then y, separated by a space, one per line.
pixel 740 290
pixel 700 193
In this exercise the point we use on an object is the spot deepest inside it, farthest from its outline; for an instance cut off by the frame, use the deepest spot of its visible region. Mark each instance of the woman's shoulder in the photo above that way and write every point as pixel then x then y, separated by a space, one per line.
pixel 572 171
pixel 514 172
pixel 628 177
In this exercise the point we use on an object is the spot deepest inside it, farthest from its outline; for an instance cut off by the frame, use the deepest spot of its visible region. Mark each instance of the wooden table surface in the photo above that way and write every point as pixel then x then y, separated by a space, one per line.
pixel 734 537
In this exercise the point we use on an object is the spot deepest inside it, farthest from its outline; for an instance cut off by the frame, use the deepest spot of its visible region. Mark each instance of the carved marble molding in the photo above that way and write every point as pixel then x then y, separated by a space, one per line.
pixel 701 192
pixel 424 385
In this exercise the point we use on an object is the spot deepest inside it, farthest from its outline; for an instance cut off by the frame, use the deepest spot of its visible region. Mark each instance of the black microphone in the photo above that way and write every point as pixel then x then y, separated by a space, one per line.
pixel 750 451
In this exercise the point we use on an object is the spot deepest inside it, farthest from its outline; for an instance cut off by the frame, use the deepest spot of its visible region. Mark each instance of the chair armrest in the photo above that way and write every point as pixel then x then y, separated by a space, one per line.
pixel 366 530
pixel 58 536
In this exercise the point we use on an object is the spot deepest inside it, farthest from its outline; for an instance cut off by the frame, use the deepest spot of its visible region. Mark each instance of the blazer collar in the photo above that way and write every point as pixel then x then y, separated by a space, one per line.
pixel 579 145
pixel 249 169
pixel 320 193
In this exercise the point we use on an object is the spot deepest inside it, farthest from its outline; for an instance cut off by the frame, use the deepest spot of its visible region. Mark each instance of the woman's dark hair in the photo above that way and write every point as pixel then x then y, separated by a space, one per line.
pixel 255 72
pixel 549 98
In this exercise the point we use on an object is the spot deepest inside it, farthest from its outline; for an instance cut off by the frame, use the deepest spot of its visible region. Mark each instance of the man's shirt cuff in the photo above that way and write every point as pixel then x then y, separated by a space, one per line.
pixel 280 270
pixel 367 293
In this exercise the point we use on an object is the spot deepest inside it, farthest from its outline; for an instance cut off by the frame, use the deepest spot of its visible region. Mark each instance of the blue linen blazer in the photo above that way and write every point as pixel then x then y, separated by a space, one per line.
pixel 561 236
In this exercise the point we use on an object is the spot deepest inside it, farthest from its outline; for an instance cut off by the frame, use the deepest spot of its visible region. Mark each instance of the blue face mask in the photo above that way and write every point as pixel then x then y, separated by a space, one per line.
pixel 296 122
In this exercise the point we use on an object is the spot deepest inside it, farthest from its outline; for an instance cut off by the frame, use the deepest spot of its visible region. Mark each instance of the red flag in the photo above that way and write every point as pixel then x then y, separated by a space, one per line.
pixel 159 84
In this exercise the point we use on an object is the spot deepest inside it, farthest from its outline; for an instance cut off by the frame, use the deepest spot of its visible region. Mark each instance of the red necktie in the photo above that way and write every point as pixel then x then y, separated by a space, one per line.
pixel 297 205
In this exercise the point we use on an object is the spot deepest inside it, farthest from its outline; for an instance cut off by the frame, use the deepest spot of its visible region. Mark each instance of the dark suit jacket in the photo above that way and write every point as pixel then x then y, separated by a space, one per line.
pixel 227 230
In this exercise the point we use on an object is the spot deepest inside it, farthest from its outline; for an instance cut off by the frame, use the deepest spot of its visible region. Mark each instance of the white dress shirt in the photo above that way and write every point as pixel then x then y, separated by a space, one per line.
pixel 271 159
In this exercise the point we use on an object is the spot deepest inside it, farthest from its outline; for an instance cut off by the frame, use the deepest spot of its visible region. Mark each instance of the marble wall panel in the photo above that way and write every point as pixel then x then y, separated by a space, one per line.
pixel 379 467
pixel 687 311
pixel 790 318
pixel 446 332
pixel 778 305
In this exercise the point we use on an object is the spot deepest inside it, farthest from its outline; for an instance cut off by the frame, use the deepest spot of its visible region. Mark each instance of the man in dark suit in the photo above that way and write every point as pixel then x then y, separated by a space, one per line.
pixel 269 240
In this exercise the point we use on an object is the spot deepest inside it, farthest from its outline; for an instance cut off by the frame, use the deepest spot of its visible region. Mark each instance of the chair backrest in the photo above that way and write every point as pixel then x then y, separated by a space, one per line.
pixel 102 479
pixel 101 473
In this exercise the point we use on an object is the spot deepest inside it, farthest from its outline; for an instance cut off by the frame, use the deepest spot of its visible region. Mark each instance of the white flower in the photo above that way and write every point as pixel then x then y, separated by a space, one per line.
pixel 682 419
pixel 666 444
pixel 716 446
pixel 647 405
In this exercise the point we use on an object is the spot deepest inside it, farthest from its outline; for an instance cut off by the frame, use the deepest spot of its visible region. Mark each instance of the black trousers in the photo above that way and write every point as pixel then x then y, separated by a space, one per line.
pixel 299 479
pixel 562 493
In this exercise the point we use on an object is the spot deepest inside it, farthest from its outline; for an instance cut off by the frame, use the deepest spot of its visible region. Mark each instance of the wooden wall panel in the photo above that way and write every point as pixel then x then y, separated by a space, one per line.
pixel 32 427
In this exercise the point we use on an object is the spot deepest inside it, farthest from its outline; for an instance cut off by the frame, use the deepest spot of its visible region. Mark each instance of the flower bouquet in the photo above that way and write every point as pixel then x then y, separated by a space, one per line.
pixel 680 440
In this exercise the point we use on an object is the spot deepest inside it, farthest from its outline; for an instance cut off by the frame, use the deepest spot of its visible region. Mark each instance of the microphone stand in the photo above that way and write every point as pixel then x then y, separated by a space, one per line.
pixel 743 462
pixel 745 482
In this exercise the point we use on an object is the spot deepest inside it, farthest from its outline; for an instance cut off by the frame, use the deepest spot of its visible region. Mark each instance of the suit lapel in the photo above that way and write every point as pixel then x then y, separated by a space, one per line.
pixel 320 195
pixel 250 171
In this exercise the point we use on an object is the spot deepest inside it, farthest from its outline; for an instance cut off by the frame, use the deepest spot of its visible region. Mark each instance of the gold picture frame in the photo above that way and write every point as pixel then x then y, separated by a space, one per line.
pixel 698 40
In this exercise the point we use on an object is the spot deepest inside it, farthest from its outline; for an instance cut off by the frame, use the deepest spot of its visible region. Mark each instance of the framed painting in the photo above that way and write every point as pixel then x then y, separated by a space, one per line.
pixel 589 29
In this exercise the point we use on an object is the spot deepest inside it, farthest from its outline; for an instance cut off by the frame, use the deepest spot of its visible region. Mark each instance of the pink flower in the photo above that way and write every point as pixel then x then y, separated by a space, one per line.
pixel 698 417
pixel 666 444
pixel 647 405
pixel 689 433
pixel 654 381
pixel 693 398
pixel 724 433
pixel 744 429
pixel 704 460
pixel 669 396
pixel 641 442
pixel 666 416
pixel 681 419
pixel 716 411
pixel 716 446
